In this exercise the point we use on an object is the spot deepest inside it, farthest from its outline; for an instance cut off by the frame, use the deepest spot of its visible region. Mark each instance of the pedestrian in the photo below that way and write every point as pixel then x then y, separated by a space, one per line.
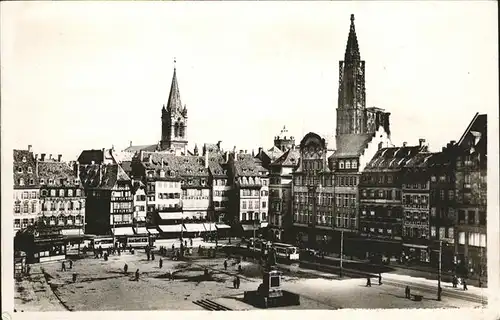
pixel 191 241
pixel 74 277
pixel 454 281
pixel 147 254
pixel 28 268
pixel 152 255
pixel 237 282
pixel 185 243
pixel 105 256
pixel 225 264
pixel 161 263
pixel 119 252
pixel 368 281
pixel 239 268
pixel 71 264
pixel 125 268
pixel 63 267
pixel 234 283
pixel 173 246
pixel 137 275
pixel 407 292
pixel 464 283
pixel 379 279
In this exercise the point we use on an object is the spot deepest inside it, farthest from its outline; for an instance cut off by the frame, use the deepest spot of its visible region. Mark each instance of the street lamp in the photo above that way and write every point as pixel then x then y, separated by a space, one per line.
pixel 341 251
pixel 439 270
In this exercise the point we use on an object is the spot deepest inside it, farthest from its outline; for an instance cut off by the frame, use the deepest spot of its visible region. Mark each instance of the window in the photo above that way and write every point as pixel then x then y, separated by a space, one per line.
pixel 25 207
pixel 17 208
pixel 433 231
pixel 17 223
pixel 78 192
pixel 354 164
pixel 348 165
pixel 21 182
pixel 451 194
pixel 244 204
pixel 33 207
pixel 30 170
pixel 461 238
pixel 51 181
pixel 341 165
pixel 70 193
pixel 264 204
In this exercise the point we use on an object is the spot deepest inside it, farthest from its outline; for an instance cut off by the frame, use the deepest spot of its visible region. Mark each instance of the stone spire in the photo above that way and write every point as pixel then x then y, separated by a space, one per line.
pixel 352 49
pixel 196 149
pixel 174 100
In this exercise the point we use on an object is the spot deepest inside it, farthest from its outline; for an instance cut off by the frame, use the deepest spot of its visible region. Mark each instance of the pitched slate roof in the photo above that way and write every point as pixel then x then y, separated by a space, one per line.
pixel 289 159
pixel 351 145
pixel 175 166
pixel 246 166
pixel 274 153
pixel 147 147
pixel 30 162
pixel 215 165
pixel 87 156
pixel 102 176
pixel 393 158
pixel 56 171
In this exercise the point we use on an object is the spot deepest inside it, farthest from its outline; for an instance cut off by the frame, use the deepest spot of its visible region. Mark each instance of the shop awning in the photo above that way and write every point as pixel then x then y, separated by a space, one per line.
pixel 171 228
pixel 222 226
pixel 153 231
pixel 141 230
pixel 124 231
pixel 210 226
pixel 264 224
pixel 170 215
pixel 194 227
pixel 249 227
pixel 72 232
pixel 411 245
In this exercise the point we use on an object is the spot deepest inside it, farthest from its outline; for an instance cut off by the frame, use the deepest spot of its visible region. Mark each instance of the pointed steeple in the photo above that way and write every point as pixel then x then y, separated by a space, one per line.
pixel 352 49
pixel 174 99
pixel 196 149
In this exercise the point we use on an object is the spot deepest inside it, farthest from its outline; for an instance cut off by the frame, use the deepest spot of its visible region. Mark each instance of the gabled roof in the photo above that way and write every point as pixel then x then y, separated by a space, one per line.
pixel 30 162
pixel 87 156
pixel 246 166
pixel 56 171
pixel 175 166
pixel 274 153
pixel 351 145
pixel 289 159
pixel 215 166
pixel 478 129
pixel 394 158
pixel 102 176
pixel 147 147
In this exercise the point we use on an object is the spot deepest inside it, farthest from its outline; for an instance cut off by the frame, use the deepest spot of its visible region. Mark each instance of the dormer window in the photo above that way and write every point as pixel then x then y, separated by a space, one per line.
pixel 354 164
pixel 21 182
pixel 341 165
pixel 42 181
pixel 32 182
pixel 19 170
pixel 24 159
pixel 51 181
pixel 348 165
pixel 202 182
pixel 30 170
pixel 76 181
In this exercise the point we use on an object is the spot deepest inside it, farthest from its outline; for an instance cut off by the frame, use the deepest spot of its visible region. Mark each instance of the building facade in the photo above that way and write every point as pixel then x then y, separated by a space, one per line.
pixel 62 196
pixel 471 199
pixel 381 210
pixel 313 194
pixel 27 207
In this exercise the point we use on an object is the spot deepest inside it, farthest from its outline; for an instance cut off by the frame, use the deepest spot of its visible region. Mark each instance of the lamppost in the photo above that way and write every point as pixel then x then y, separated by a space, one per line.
pixel 182 228
pixel 341 251
pixel 439 270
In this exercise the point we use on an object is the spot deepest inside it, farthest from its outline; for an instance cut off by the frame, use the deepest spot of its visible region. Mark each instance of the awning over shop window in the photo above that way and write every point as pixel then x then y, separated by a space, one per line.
pixel 141 230
pixel 153 231
pixel 249 227
pixel 170 215
pixel 171 228
pixel 222 226
pixel 411 245
pixel 123 231
pixel 210 227
pixel 194 227
pixel 72 232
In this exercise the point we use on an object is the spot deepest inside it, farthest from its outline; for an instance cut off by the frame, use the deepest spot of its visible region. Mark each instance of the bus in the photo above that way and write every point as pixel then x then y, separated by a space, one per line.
pixel 103 242
pixel 138 241
pixel 286 251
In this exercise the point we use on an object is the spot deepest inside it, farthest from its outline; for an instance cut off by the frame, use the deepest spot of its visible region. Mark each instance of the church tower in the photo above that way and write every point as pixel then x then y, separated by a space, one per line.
pixel 351 99
pixel 174 122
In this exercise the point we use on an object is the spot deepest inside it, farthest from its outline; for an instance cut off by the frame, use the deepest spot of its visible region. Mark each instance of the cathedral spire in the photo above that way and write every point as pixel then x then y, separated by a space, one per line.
pixel 352 49
pixel 174 100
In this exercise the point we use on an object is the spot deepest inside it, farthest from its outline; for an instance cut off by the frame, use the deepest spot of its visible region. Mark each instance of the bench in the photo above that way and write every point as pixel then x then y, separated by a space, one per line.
pixel 417 297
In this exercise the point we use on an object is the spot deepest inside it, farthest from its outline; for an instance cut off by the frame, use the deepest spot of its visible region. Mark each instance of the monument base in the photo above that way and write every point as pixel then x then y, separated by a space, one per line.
pixel 286 298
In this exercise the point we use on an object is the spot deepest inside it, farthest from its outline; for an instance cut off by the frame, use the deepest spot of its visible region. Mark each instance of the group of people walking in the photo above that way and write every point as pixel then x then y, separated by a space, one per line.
pixel 369 280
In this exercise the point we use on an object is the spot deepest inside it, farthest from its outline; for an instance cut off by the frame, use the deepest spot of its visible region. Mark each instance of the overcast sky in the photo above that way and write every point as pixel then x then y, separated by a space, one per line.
pixel 89 75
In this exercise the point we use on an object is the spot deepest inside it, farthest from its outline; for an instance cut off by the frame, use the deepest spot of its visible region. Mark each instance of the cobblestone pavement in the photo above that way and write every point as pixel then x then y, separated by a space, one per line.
pixel 102 285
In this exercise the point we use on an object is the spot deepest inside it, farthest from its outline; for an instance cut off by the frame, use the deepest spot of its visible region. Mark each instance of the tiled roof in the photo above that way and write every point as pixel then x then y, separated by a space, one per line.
pixel 215 165
pixel 274 153
pixel 56 171
pixel 19 155
pixel 87 156
pixel 127 166
pixel 393 158
pixel 351 145
pixel 147 147
pixel 289 158
pixel 121 156
pixel 421 160
pixel 175 166
pixel 102 176
pixel 246 166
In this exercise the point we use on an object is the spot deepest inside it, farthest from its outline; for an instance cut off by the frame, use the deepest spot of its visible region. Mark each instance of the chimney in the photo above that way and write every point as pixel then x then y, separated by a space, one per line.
pixel 404 144
pixel 227 156
pixel 142 155
pixel 59 156
pixel 29 148
pixel 421 142
pixel 77 169
pixel 42 157
pixel 162 163
pixel 453 142
pixel 206 160
pixel 36 157
pixel 260 150
pixel 50 156
pixel 130 143
pixel 218 144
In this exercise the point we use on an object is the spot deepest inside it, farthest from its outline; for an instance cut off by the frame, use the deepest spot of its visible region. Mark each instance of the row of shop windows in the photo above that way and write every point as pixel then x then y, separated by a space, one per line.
pixel 381 194
pixel 380 231
pixel 469 217
pixel 248 193
pixel 164 196
pixel 121 194
pixel 53 220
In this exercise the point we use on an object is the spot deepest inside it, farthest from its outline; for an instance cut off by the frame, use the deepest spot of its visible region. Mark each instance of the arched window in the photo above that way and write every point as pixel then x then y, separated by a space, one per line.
pixel 176 129
pixel 71 220
pixel 256 216
pixel 181 130
pixel 244 216
pixel 61 220
pixel 25 207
